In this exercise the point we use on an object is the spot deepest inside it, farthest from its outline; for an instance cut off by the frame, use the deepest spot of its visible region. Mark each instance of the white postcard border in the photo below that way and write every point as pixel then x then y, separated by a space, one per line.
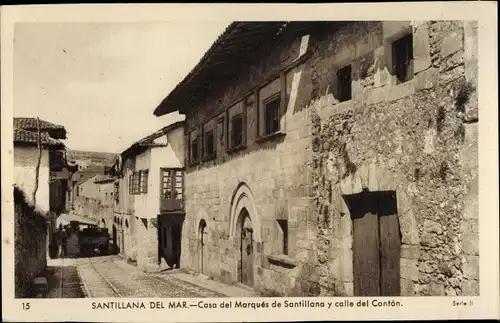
pixel 484 306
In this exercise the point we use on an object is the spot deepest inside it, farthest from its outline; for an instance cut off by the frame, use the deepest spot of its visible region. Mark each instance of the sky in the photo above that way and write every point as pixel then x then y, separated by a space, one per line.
pixel 102 81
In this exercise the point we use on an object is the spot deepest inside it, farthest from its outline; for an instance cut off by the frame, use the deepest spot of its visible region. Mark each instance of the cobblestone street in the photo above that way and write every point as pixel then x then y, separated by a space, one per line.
pixel 111 276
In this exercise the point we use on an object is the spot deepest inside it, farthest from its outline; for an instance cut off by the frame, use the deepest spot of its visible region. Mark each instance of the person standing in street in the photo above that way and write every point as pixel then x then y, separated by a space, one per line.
pixel 64 242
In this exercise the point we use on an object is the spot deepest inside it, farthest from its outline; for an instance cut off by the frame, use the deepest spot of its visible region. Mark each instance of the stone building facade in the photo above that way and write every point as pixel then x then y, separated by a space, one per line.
pixel 340 158
pixel 146 225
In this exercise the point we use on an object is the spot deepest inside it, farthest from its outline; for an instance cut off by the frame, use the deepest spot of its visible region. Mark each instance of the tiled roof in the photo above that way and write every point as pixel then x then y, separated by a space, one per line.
pixel 144 142
pixel 30 124
pixel 102 178
pixel 29 138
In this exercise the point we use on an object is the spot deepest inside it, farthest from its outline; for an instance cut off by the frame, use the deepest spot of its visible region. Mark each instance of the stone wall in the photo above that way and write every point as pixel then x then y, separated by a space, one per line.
pixel 415 138
pixel 96 209
pixel 30 241
pixel 408 138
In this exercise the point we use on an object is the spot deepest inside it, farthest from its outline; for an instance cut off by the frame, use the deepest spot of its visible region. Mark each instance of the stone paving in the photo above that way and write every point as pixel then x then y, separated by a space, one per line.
pixel 111 276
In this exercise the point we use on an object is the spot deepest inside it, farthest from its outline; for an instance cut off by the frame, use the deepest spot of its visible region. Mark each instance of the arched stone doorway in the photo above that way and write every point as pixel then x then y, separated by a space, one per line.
pixel 246 261
pixel 202 247
pixel 245 233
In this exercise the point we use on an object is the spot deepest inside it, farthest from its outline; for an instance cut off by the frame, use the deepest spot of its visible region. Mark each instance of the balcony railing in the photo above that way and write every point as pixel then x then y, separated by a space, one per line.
pixel 172 190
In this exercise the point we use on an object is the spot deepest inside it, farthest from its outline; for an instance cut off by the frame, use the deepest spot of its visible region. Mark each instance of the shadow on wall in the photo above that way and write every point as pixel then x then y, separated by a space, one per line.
pixel 30 237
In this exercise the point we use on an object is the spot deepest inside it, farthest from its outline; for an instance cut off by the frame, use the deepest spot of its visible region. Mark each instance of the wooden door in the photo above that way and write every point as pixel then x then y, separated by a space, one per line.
pixel 247 256
pixel 376 245
pixel 366 252
pixel 390 251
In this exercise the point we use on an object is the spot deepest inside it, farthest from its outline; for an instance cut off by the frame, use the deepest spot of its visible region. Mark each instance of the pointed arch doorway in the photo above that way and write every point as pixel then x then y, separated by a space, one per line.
pixel 202 233
pixel 246 248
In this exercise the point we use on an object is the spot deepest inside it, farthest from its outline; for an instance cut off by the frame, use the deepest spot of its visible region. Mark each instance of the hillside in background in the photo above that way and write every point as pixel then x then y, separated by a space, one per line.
pixel 97 158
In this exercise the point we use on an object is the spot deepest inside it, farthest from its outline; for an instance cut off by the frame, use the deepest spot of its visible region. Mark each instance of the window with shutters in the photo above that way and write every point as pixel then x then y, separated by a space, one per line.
pixel 195 149
pixel 209 145
pixel 272 114
pixel 172 189
pixel 402 58
pixel 237 131
pixel 134 183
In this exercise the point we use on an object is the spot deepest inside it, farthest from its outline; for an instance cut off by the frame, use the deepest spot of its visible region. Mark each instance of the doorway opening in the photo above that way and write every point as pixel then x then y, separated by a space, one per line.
pixel 169 239
pixel 376 243
pixel 202 233
pixel 246 248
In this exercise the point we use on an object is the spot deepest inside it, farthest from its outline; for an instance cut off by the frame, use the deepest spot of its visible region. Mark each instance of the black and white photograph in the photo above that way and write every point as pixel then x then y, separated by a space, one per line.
pixel 255 159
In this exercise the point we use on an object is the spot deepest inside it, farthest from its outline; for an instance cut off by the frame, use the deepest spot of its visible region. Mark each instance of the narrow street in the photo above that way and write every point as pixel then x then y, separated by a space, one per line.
pixel 112 276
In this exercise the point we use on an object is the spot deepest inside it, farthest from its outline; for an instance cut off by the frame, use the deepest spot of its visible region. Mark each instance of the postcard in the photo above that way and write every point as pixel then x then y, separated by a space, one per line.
pixel 202 163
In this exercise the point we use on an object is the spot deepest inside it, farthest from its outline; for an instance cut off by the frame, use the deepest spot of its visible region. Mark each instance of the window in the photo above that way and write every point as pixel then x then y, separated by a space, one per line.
pixel 209 144
pixel 344 83
pixel 134 183
pixel 131 184
pixel 402 58
pixel 116 192
pixel 272 114
pixel 195 149
pixel 78 191
pixel 284 229
pixel 172 184
pixel 143 181
pixel 220 129
pixel 56 158
pixel 237 131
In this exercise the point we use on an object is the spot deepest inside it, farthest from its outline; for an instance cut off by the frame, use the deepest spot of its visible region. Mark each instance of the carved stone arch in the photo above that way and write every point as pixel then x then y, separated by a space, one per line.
pixel 243 199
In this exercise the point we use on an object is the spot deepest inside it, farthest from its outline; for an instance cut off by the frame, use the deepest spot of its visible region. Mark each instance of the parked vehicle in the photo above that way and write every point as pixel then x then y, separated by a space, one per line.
pixel 94 239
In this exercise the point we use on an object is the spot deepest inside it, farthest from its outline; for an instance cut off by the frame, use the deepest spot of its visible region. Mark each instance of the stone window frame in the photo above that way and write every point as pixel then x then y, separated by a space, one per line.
pixel 269 117
pixel 209 128
pixel 220 123
pixel 404 40
pixel 194 137
pixel 283 225
pixel 231 148
pixel 262 136
pixel 341 73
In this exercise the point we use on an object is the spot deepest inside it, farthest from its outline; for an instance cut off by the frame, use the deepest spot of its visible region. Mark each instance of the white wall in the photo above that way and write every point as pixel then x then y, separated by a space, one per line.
pixel 142 202
pixel 25 160
pixel 89 188
pixel 171 156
